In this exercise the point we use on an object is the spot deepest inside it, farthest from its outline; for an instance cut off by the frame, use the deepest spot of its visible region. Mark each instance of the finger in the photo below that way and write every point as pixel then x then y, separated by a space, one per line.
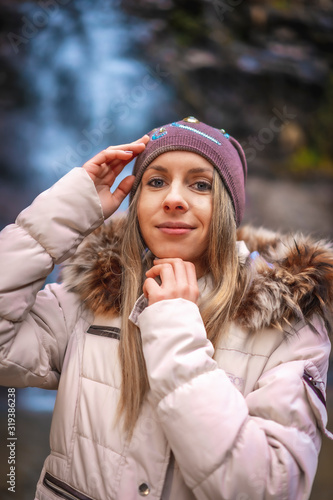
pixel 122 191
pixel 115 158
pixel 116 155
pixel 132 145
pixel 167 276
pixel 115 168
pixel 185 277
pixel 151 290
pixel 106 173
pixel 107 156
pixel 142 140
pixel 174 260
pixel 192 282
pixel 166 260
pixel 145 138
pixel 165 270
pixel 134 150
pixel 191 274
pixel 99 162
pixel 179 270
pixel 177 264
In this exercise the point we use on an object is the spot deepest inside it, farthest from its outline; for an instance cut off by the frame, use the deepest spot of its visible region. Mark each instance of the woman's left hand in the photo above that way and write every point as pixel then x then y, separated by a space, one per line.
pixel 178 280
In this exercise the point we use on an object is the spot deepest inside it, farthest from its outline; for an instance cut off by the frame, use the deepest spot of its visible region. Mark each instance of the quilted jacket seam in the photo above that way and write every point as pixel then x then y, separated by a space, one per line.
pixel 79 434
pixel 100 382
pixel 26 370
pixel 22 226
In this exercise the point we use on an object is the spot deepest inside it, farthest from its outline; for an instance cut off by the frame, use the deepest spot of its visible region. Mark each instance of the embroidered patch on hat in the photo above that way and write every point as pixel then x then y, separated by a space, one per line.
pixel 224 133
pixel 160 133
pixel 186 127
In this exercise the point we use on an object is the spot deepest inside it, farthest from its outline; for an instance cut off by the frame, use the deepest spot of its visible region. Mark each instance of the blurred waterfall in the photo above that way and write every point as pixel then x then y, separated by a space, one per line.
pixel 85 87
pixel 82 88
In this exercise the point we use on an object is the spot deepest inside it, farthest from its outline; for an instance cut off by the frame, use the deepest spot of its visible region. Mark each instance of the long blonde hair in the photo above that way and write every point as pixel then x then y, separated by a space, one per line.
pixel 217 308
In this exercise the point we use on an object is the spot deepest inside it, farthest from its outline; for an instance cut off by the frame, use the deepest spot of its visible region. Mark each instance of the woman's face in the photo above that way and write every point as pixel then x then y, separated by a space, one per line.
pixel 175 206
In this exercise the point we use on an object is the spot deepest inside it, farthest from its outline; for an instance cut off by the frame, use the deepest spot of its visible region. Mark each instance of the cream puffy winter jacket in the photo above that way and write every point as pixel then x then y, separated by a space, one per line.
pixel 242 423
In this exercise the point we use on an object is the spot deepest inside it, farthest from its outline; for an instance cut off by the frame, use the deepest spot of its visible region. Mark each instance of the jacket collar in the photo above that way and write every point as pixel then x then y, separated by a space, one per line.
pixel 291 276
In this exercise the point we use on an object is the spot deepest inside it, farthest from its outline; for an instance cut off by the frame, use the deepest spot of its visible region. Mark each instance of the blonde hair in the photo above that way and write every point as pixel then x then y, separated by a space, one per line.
pixel 217 308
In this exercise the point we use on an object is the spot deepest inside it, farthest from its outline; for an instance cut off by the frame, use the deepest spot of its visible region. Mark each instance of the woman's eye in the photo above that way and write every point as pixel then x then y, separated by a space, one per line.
pixel 203 186
pixel 156 183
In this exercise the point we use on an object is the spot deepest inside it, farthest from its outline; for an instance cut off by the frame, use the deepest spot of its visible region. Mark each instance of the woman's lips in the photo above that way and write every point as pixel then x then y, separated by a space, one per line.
pixel 175 228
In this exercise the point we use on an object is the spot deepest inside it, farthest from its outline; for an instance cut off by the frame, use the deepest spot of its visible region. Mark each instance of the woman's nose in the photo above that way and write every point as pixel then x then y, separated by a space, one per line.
pixel 175 200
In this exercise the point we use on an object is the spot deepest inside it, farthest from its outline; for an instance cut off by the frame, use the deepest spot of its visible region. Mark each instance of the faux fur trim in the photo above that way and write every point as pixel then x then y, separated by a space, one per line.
pixel 95 270
pixel 291 280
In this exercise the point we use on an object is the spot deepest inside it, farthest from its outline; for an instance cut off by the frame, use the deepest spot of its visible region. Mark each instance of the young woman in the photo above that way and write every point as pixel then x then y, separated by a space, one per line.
pixel 190 358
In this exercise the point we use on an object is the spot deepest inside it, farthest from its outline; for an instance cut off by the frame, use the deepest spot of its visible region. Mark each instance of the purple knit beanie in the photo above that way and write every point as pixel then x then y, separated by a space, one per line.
pixel 218 147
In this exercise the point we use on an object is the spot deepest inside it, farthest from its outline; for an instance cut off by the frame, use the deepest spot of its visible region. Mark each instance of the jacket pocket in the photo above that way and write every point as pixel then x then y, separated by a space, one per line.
pixel 63 490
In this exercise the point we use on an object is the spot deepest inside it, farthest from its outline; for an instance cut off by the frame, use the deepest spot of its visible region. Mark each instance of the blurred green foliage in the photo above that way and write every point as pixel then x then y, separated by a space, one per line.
pixel 282 4
pixel 188 24
pixel 317 155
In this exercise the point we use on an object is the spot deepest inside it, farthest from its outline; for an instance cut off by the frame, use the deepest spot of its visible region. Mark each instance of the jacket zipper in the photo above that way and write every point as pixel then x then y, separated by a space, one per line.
pixel 62 489
pixel 313 384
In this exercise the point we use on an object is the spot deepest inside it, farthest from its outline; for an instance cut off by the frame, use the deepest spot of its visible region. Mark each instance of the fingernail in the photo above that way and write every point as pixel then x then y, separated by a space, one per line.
pixel 129 152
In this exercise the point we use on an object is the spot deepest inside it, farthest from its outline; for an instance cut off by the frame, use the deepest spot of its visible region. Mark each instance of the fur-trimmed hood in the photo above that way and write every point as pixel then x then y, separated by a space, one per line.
pixel 291 276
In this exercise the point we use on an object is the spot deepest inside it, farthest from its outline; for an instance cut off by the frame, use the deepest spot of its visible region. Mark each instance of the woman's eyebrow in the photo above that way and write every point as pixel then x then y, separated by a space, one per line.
pixel 157 167
pixel 199 170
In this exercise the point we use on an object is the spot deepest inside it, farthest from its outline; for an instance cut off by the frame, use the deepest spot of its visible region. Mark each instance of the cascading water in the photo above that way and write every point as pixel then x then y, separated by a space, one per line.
pixel 87 87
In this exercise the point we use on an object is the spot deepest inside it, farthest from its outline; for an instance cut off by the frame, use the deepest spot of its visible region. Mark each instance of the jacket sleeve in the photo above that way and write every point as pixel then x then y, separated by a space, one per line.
pixel 229 447
pixel 35 325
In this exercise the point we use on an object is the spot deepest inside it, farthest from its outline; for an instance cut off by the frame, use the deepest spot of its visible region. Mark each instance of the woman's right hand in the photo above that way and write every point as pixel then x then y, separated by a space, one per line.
pixel 178 280
pixel 106 166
